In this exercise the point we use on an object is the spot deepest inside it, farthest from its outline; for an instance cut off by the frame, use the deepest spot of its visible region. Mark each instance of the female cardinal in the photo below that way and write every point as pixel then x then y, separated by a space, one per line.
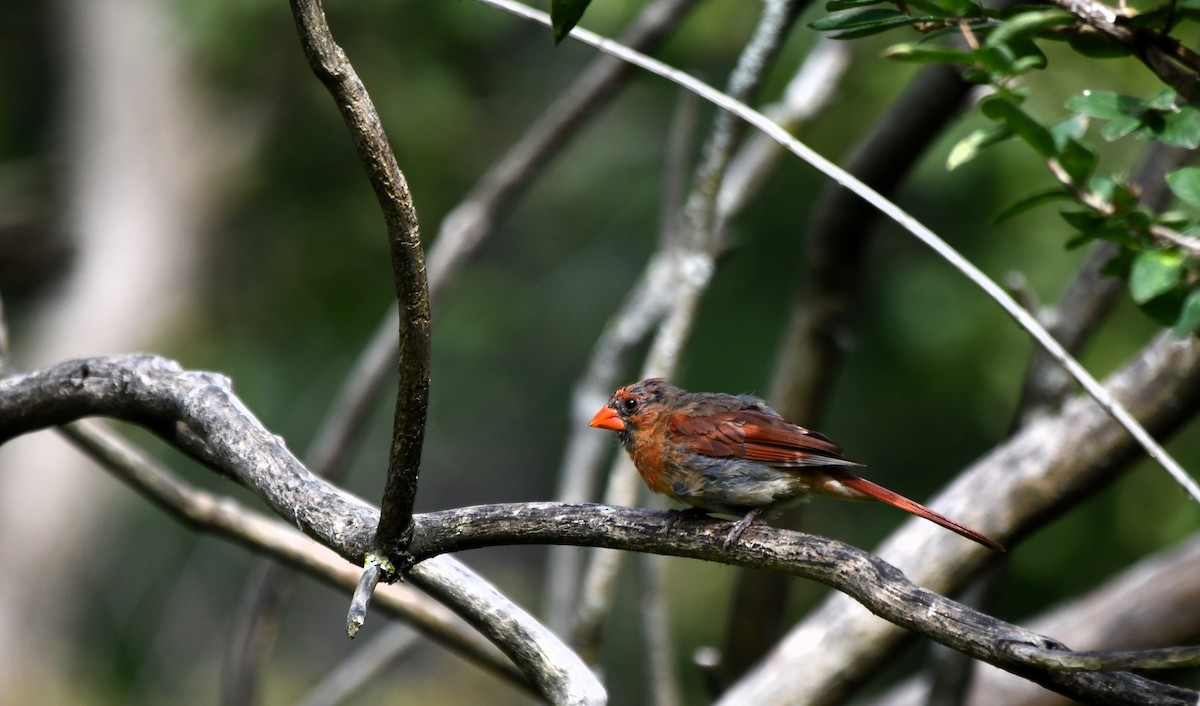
pixel 737 456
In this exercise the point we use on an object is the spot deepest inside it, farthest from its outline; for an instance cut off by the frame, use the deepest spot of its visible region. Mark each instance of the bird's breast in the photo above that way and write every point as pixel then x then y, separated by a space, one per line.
pixel 727 485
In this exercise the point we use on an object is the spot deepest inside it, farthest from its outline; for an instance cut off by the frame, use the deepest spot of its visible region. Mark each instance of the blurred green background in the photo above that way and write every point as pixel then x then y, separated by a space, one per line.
pixel 294 275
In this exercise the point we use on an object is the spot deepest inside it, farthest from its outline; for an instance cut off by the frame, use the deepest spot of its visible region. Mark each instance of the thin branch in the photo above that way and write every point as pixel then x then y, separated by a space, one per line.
pixel 1023 318
pixel 498 190
pixel 253 630
pixel 880 587
pixel 460 234
pixel 332 67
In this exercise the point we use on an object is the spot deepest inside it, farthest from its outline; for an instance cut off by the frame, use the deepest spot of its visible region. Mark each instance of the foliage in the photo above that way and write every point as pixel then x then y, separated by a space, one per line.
pixel 996 48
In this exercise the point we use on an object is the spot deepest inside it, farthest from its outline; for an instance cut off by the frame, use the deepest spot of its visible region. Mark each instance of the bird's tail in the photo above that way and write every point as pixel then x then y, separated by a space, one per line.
pixel 839 483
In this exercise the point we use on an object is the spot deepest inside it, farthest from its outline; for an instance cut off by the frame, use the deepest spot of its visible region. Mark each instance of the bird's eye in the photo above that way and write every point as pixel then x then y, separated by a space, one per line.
pixel 630 403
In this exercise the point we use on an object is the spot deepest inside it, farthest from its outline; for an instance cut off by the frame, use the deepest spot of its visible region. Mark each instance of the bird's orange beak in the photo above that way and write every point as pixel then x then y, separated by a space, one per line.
pixel 607 418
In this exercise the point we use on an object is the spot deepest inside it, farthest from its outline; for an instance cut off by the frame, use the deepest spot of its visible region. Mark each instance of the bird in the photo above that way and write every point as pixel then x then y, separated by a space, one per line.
pixel 734 455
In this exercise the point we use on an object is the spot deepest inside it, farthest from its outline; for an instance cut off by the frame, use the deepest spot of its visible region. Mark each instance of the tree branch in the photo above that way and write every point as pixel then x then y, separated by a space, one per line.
pixel 332 67
pixel 1145 45
pixel 206 512
pixel 152 391
pixel 877 585
pixel 1047 466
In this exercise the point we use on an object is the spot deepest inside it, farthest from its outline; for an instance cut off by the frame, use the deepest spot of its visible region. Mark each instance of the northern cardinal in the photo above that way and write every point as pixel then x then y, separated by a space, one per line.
pixel 735 455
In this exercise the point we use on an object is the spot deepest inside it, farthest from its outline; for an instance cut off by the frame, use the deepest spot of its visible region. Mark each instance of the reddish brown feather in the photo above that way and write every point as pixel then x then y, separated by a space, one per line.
pixel 882 494
pixel 756 435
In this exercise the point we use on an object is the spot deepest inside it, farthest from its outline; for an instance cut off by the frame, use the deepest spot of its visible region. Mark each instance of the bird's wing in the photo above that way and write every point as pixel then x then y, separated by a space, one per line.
pixel 756 435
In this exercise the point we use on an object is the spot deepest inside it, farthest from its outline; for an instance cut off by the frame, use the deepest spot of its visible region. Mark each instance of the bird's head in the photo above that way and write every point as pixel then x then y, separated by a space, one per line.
pixel 634 407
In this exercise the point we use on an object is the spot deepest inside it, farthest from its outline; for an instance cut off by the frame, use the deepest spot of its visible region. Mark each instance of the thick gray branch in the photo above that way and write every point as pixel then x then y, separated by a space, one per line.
pixel 156 393
pixel 877 585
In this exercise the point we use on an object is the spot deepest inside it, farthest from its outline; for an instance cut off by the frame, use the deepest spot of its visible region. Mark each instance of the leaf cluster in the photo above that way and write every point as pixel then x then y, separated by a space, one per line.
pixel 995 48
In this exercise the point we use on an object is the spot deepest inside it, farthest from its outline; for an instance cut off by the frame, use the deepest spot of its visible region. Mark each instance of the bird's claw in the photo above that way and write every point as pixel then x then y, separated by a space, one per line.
pixel 739 528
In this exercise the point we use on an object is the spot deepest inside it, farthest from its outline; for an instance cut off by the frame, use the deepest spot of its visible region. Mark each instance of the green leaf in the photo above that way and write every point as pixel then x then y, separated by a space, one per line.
pixel 1154 273
pixel 1121 196
pixel 1185 183
pixel 925 54
pixel 1028 129
pixel 1189 316
pixel 1027 23
pixel 1180 128
pixel 967 148
pixel 1072 128
pixel 1030 202
pixel 995 59
pixel 1163 100
pixel 1106 104
pixel 1119 236
pixel 1117 128
pixel 564 15
pixel 856 19
pixel 864 23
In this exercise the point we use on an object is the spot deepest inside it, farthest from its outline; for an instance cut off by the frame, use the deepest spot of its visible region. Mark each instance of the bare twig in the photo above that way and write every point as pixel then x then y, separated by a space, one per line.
pixel 332 67
pixel 993 290
pixel 373 570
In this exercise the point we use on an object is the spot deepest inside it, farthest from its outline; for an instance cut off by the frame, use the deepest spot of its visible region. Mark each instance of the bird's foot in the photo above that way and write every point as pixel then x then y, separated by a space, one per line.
pixel 677 515
pixel 740 527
